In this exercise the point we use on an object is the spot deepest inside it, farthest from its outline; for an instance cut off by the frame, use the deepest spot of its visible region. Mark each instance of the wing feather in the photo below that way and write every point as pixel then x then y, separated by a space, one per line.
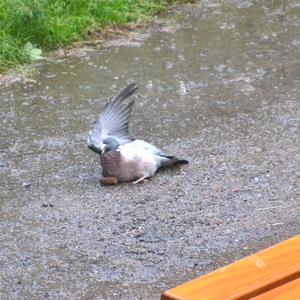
pixel 113 121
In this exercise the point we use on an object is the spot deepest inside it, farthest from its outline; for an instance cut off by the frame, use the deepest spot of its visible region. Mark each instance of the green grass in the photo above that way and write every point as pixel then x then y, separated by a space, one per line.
pixel 48 24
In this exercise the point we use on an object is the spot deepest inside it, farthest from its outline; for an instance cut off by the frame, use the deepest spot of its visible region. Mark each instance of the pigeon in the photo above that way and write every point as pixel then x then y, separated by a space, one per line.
pixel 122 157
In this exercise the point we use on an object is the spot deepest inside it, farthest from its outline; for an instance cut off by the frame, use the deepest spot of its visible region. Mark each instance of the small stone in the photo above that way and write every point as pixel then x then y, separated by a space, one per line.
pixel 26 185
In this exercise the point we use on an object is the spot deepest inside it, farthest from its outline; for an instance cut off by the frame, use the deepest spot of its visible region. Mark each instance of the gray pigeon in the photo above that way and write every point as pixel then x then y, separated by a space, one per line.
pixel 122 157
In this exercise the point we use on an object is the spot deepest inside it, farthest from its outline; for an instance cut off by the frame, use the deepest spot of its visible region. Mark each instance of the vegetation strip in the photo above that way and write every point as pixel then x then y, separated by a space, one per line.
pixel 29 26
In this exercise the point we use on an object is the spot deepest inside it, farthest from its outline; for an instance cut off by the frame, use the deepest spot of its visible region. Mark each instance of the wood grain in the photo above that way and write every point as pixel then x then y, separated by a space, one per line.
pixel 290 290
pixel 247 278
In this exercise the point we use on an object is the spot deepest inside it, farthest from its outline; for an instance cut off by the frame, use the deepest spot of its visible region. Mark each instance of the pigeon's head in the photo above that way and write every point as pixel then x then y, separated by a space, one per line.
pixel 109 144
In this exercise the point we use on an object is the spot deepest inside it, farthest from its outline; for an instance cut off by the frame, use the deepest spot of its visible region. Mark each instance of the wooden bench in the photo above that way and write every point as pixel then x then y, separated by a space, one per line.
pixel 273 273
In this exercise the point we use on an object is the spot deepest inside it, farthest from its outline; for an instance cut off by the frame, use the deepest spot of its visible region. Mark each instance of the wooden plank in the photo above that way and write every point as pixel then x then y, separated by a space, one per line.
pixel 290 290
pixel 246 278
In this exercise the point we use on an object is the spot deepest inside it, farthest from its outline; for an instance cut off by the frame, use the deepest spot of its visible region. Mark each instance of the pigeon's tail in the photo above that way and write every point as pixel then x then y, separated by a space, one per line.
pixel 177 162
pixel 172 161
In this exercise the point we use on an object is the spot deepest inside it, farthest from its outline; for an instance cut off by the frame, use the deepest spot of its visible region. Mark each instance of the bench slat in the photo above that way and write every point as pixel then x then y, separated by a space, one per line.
pixel 249 277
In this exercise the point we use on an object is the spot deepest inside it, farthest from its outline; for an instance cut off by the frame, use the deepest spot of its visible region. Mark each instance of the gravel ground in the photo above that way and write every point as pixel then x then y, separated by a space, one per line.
pixel 220 88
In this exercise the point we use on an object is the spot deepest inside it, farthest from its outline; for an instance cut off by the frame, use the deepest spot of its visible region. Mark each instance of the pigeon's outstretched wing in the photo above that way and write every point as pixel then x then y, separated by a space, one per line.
pixel 113 121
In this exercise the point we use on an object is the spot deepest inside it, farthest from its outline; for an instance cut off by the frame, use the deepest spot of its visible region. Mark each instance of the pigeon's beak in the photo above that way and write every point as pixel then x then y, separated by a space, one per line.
pixel 102 148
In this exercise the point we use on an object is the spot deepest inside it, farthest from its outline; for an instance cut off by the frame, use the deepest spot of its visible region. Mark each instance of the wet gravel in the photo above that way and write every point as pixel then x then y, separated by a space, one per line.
pixel 220 88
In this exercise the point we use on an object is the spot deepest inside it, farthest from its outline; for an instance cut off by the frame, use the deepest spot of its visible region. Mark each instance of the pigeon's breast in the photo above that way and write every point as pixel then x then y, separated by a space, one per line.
pixel 110 163
pixel 128 163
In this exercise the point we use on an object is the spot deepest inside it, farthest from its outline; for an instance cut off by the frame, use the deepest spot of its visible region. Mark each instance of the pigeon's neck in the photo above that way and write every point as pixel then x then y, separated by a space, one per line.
pixel 111 144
